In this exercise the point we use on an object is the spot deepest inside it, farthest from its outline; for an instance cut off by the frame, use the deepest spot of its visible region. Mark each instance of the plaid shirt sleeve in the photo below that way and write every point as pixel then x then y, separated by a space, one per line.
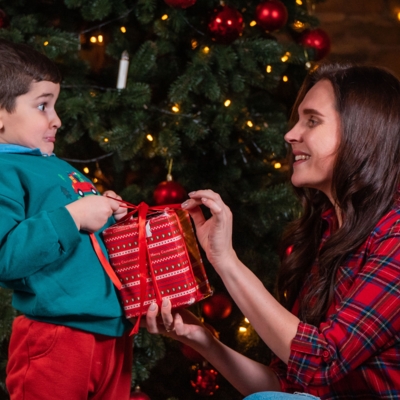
pixel 363 322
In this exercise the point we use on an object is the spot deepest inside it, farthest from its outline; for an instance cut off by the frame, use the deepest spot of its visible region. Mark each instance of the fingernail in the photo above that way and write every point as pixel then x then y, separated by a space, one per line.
pixel 191 193
pixel 185 204
pixel 153 306
pixel 165 303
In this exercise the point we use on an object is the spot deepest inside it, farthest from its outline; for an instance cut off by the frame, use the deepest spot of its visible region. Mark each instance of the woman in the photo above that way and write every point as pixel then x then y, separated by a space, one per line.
pixel 335 328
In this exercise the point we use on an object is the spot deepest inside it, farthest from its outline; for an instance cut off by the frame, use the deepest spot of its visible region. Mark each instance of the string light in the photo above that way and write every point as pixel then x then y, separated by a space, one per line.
pixel 398 15
pixel 206 50
pixel 86 170
pixel 246 320
pixel 164 17
pixel 249 123
pixel 268 69
pixel 277 165
pixel 253 23
pixel 123 29
pixel 298 25
pixel 100 38
pixel 105 140
pixel 149 138
pixel 46 43
pixel 175 108
pixel 285 57
pixel 242 329
pixel 285 78
pixel 299 2
pixel 93 39
pixel 194 43
pixel 227 103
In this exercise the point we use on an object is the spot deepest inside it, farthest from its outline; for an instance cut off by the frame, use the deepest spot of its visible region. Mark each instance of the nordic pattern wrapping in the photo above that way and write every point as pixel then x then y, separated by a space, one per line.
pixel 173 269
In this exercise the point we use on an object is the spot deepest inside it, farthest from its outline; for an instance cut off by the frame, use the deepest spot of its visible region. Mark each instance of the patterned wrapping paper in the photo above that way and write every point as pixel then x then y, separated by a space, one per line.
pixel 173 260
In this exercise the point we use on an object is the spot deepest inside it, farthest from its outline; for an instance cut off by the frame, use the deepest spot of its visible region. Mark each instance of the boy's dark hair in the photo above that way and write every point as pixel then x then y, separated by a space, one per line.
pixel 20 65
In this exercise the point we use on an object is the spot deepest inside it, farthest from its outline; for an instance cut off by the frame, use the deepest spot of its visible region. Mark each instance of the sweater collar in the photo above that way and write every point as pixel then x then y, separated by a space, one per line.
pixel 17 149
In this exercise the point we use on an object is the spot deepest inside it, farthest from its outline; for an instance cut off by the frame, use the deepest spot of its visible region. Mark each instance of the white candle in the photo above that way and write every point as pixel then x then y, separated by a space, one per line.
pixel 123 70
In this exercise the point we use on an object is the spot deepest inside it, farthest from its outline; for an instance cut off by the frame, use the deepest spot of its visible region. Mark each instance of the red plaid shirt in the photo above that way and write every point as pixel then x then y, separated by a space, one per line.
pixel 355 352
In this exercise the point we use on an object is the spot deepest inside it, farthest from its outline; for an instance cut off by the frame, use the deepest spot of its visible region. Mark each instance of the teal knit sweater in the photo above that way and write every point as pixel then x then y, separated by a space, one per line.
pixel 50 265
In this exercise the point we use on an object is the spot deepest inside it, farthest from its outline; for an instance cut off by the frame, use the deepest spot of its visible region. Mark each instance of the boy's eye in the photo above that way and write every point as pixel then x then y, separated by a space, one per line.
pixel 41 107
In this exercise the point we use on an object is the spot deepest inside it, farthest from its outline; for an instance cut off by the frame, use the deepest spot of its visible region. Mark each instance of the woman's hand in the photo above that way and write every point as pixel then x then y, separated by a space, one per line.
pixel 183 326
pixel 121 211
pixel 214 234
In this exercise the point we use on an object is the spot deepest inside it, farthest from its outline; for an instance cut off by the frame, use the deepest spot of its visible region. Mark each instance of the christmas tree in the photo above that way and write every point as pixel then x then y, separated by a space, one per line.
pixel 162 97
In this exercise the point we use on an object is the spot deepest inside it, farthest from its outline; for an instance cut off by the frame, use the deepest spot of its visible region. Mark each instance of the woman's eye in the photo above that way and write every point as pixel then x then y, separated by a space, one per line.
pixel 41 107
pixel 312 122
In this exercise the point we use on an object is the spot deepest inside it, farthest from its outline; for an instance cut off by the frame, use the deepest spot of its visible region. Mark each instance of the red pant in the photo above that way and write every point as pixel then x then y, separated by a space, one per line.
pixel 50 362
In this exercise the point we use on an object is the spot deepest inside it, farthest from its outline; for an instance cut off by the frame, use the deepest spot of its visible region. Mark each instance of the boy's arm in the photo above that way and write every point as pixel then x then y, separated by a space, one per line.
pixel 27 245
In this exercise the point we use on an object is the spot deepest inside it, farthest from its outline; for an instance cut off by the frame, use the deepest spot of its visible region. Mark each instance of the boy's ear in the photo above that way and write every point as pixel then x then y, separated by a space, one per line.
pixel 2 111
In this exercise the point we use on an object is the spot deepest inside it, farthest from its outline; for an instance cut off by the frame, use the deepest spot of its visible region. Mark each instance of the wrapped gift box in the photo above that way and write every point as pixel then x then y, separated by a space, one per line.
pixel 173 267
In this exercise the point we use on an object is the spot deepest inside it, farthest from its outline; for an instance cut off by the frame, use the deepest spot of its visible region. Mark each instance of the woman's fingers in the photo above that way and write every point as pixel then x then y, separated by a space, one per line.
pixel 167 317
pixel 151 319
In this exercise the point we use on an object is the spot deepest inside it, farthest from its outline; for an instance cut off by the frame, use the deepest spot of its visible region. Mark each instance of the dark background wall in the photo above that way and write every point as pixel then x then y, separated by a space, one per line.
pixel 364 31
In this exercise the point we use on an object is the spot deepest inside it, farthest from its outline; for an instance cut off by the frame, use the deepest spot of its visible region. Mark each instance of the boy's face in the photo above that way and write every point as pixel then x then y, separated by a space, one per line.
pixel 34 122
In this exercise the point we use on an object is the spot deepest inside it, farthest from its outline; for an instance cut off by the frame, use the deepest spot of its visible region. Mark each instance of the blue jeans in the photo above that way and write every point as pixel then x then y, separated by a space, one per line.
pixel 280 396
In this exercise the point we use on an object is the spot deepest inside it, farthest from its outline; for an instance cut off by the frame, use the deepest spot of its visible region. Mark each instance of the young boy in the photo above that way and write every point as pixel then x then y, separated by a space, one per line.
pixel 72 340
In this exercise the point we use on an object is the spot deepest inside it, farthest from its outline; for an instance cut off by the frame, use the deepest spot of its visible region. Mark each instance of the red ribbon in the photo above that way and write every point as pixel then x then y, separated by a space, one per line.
pixel 142 209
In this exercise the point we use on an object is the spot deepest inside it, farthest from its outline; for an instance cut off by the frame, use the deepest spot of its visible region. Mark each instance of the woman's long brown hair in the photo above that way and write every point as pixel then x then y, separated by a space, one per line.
pixel 364 185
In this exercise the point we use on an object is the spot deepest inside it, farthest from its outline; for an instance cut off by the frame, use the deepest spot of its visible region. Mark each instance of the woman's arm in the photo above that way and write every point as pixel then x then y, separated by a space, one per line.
pixel 246 375
pixel 276 326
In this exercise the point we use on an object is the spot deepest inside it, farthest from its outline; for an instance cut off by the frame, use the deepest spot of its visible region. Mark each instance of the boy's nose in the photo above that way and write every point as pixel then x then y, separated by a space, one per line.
pixel 56 121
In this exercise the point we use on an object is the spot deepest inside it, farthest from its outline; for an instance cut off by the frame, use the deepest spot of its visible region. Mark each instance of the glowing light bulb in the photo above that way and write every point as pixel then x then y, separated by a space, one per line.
pixel 149 138
pixel 206 50
pixel 123 29
pixel 93 39
pixel 277 165
pixel 164 17
pixel 242 329
pixel 285 57
pixel 249 123
pixel 227 103
pixel 105 140
pixel 253 23
pixel 100 38
pixel 194 43
pixel 268 69
pixel 285 78
pixel 46 43
pixel 246 320
pixel 86 170
pixel 175 108
pixel 299 2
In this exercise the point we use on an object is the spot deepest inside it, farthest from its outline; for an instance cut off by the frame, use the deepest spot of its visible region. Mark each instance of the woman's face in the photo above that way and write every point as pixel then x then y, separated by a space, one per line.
pixel 315 139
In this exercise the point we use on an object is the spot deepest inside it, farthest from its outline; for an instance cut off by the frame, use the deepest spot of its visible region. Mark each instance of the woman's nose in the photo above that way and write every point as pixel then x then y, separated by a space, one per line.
pixel 292 136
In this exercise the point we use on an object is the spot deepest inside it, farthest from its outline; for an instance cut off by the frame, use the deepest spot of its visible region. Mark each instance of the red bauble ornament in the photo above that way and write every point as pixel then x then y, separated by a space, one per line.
pixel 204 380
pixel 137 394
pixel 192 354
pixel 226 24
pixel 218 306
pixel 318 40
pixel 3 19
pixel 169 192
pixel 271 15
pixel 180 3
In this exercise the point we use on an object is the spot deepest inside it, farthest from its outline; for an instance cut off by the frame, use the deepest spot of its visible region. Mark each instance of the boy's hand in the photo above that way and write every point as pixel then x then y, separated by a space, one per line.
pixel 121 211
pixel 92 212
